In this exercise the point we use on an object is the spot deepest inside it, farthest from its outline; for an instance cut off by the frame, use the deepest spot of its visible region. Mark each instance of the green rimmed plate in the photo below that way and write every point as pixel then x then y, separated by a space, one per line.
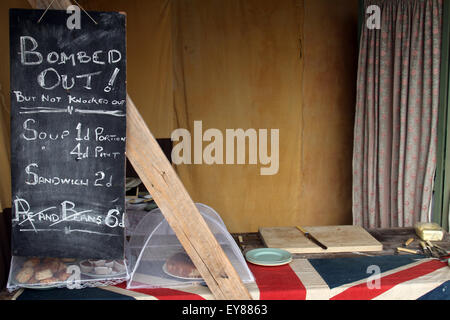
pixel 269 257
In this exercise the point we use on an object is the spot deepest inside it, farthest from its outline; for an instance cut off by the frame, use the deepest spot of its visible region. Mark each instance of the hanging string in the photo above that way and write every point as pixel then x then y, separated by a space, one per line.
pixel 39 21
pixel 76 4
pixel 85 11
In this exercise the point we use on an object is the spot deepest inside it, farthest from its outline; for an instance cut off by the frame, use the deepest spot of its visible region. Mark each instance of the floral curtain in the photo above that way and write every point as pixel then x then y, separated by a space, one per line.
pixel 394 159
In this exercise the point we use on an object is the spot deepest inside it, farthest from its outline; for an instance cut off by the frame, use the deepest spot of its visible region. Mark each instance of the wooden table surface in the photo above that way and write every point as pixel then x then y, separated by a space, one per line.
pixel 391 239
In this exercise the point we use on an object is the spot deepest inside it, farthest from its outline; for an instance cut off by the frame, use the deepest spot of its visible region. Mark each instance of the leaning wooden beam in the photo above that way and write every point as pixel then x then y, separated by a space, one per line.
pixel 179 210
pixel 162 182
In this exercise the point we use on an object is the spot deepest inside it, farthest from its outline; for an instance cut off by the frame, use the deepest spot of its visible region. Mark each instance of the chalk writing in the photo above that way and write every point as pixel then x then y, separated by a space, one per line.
pixel 66 211
pixel 68 135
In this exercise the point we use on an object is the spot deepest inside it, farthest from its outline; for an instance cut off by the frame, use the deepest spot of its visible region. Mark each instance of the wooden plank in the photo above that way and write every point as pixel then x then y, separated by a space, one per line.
pixel 440 203
pixel 336 238
pixel 162 182
pixel 445 137
pixel 179 210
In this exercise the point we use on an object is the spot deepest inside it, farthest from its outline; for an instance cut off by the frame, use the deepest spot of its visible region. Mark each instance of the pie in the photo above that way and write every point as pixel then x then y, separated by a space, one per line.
pixel 180 265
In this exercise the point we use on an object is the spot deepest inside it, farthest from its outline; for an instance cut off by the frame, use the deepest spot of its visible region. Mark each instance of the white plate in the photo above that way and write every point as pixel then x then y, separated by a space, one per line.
pixel 135 201
pixel 41 287
pixel 131 183
pixel 38 286
pixel 137 206
pixel 105 276
pixel 269 257
pixel 164 268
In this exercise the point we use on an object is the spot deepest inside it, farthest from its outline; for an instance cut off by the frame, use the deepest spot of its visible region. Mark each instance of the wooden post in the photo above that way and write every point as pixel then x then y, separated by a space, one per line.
pixel 170 195
pixel 179 210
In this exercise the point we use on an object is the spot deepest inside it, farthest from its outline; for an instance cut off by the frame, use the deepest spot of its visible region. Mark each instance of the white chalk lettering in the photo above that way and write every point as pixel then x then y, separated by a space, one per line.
pixel 33 178
pixel 65 58
pixel 47 98
pixel 31 134
pixel 79 100
pixel 88 77
pixel 22 98
pixel 79 153
pixel 29 55
pixel 111 58
pixel 100 153
pixel 107 137
pixel 43 76
pixel 25 55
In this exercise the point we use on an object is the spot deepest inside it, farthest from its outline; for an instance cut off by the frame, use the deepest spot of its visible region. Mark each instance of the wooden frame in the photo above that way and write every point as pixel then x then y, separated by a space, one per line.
pixel 442 186
pixel 162 182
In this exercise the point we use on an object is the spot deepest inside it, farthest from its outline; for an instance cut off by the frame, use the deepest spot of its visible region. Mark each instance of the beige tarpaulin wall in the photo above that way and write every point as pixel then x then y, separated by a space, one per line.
pixel 262 64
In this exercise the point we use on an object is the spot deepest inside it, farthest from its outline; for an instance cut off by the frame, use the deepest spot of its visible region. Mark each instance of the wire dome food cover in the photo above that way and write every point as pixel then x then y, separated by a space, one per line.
pixel 47 273
pixel 153 244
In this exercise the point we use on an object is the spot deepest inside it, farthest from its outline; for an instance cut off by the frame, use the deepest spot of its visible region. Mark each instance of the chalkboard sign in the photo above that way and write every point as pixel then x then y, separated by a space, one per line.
pixel 68 131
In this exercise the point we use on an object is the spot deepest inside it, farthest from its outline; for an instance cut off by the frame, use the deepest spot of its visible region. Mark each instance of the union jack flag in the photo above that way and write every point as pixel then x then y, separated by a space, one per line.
pixel 401 277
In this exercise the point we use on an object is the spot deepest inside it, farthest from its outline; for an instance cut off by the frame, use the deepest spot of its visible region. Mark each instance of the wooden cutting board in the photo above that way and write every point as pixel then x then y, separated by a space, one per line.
pixel 336 238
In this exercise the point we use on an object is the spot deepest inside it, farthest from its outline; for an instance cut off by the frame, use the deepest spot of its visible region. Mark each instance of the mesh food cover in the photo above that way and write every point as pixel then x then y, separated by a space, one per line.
pixel 46 273
pixel 157 259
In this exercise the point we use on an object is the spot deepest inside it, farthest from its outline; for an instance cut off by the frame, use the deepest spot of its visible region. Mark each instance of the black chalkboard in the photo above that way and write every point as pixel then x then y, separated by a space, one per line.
pixel 68 131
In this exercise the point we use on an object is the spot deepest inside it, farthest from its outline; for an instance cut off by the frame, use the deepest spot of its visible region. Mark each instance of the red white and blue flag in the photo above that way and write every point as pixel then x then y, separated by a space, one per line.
pixel 362 278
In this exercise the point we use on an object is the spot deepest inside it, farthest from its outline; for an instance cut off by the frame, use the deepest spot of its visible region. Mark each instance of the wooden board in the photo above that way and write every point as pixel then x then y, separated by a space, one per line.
pixel 336 238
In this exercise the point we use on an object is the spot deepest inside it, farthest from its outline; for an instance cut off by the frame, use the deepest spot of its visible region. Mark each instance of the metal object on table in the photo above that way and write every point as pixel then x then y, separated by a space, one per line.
pixel 441 250
pixel 437 251
pixel 131 183
pixel 400 249
pixel 241 243
pixel 426 250
pixel 433 251
pixel 407 243
pixel 312 238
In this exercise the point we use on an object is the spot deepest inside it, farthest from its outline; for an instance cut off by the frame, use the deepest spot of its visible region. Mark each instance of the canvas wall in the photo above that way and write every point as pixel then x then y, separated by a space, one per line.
pixel 262 64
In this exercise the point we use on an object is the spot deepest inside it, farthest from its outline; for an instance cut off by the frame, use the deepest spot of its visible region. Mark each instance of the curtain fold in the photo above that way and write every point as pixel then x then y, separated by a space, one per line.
pixel 394 158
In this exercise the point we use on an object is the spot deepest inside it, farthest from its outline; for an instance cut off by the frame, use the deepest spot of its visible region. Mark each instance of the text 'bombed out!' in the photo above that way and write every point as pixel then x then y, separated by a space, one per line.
pixel 68 134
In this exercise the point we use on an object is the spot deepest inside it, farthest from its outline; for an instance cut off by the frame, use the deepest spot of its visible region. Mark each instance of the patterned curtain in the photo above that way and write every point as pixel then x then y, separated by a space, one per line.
pixel 394 159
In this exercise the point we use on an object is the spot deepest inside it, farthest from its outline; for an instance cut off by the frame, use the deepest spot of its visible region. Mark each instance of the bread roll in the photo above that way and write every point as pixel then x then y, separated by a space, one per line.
pixel 32 262
pixel 24 275
pixel 44 274
pixel 48 281
pixel 180 265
